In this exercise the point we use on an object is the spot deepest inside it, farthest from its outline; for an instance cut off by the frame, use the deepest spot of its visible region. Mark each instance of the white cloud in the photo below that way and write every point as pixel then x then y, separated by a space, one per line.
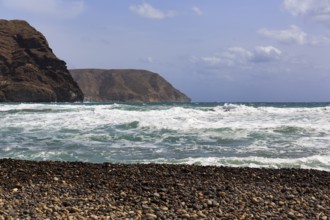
pixel 57 8
pixel 266 54
pixel 240 56
pixel 319 40
pixel 238 53
pixel 288 36
pixel 215 60
pixel 197 10
pixel 316 10
pixel 150 59
pixel 294 35
pixel 146 10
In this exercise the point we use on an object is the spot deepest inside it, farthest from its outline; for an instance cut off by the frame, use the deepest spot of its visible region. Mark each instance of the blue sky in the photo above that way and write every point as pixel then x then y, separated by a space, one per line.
pixel 212 50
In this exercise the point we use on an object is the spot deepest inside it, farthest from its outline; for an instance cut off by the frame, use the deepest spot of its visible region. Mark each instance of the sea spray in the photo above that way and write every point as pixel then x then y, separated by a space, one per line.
pixel 232 134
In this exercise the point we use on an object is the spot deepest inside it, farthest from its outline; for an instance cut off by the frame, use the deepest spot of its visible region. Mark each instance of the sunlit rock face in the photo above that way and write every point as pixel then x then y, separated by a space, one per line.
pixel 126 85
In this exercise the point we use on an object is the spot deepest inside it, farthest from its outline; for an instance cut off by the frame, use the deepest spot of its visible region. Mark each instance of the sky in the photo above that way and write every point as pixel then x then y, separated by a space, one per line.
pixel 211 50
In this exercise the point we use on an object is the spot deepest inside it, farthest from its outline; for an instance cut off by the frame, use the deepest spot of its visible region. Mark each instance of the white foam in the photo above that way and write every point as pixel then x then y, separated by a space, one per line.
pixel 313 162
pixel 177 118
pixel 231 128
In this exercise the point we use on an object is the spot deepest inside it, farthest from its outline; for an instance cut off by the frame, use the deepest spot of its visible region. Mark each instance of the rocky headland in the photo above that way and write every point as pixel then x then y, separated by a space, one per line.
pixel 126 85
pixel 29 70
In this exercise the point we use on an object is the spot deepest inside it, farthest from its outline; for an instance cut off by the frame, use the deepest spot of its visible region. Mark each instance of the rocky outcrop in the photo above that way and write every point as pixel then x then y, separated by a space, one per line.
pixel 126 85
pixel 29 70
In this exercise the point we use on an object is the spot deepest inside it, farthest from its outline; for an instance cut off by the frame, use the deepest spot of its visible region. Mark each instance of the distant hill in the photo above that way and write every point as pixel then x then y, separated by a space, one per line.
pixel 29 70
pixel 126 85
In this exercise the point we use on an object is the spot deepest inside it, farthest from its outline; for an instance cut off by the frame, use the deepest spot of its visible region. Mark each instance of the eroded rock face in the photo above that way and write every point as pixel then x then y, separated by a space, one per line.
pixel 29 70
pixel 126 85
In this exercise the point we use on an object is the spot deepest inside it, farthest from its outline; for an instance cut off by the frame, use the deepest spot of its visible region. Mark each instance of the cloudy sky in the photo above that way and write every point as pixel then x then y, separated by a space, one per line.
pixel 212 50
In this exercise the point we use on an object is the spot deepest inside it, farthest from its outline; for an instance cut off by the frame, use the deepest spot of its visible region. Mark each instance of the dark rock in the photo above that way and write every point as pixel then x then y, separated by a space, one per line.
pixel 126 85
pixel 29 70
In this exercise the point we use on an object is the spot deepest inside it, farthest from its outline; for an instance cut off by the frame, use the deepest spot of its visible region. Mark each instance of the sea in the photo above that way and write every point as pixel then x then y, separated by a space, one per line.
pixel 260 135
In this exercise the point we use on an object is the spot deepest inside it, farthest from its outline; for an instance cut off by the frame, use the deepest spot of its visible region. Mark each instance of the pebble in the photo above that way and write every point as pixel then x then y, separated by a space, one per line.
pixel 94 217
pixel 291 215
pixel 186 215
pixel 201 214
pixel 75 209
pixel 281 203
pixel 151 216
pixel 156 195
pixel 159 191
pixel 164 208
pixel 255 200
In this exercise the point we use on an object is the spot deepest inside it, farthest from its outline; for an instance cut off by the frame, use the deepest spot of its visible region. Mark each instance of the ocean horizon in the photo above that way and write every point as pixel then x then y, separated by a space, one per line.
pixel 250 134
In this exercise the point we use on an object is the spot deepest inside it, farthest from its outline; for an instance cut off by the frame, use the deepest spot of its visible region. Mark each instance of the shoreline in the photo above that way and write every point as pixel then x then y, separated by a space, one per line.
pixel 78 190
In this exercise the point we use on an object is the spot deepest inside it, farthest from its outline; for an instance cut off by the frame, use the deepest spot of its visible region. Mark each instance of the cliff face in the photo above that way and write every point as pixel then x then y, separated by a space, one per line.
pixel 29 70
pixel 126 86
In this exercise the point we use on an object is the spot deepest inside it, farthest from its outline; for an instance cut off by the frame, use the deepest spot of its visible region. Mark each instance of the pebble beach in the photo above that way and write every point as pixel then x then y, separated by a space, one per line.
pixel 77 190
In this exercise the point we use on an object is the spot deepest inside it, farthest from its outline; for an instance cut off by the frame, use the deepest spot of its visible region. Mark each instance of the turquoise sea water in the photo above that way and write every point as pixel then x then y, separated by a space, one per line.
pixel 272 135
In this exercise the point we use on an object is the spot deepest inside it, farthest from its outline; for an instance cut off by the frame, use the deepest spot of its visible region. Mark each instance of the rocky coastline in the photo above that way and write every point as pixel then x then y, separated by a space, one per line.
pixel 126 85
pixel 77 190
pixel 29 70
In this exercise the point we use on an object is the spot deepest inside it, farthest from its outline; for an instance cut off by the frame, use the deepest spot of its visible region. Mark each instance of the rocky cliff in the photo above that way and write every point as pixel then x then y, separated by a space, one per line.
pixel 126 86
pixel 29 70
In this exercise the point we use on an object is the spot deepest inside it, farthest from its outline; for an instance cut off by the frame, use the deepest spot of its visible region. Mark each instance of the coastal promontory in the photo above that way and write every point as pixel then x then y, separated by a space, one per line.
pixel 29 70
pixel 126 85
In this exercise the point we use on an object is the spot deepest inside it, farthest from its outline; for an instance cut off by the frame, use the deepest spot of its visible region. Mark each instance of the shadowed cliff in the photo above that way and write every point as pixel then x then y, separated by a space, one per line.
pixel 29 70
pixel 126 85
